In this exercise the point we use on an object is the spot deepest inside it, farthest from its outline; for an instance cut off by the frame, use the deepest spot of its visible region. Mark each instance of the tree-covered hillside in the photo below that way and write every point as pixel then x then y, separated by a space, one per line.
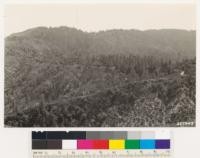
pixel 67 77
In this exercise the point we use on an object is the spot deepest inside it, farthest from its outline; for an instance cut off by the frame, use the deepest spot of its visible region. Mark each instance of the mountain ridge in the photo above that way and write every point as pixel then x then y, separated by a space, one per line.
pixel 180 43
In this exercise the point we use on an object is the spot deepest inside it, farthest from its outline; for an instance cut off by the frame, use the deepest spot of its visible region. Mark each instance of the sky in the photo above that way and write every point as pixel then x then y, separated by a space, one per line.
pixel 95 17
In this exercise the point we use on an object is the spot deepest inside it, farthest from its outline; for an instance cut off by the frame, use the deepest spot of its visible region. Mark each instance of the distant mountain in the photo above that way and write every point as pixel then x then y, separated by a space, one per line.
pixel 161 43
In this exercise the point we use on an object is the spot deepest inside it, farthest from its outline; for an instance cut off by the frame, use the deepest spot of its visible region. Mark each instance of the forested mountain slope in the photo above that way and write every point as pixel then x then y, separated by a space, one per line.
pixel 66 77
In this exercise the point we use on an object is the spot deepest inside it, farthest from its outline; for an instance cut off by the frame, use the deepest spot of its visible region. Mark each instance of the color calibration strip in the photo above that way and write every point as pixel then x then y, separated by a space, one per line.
pixel 102 140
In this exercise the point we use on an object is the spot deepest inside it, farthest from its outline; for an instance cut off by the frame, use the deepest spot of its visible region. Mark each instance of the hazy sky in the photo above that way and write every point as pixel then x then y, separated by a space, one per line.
pixel 95 17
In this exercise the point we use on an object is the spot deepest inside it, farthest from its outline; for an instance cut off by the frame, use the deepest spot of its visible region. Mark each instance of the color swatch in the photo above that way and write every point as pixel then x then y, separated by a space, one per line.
pixel 117 144
pixel 132 144
pixel 105 140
